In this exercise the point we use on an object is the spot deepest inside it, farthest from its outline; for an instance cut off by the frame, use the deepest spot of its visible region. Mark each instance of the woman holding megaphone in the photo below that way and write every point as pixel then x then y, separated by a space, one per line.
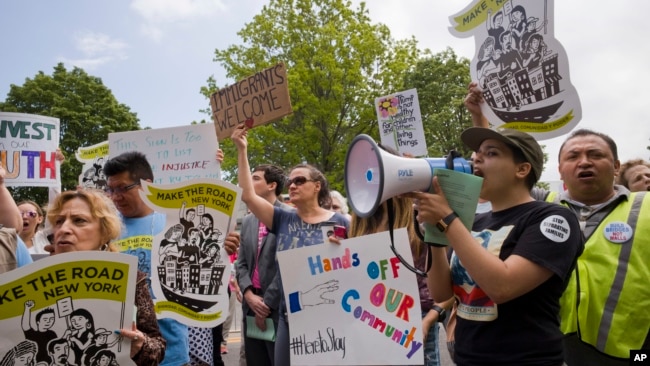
pixel 308 191
pixel 508 273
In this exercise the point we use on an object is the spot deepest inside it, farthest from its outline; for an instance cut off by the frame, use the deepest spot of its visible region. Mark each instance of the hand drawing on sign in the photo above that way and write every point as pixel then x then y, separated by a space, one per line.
pixel 312 297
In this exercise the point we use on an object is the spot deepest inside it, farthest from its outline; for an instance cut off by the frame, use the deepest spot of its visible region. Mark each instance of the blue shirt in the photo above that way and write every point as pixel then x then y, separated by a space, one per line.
pixel 23 257
pixel 291 232
pixel 140 232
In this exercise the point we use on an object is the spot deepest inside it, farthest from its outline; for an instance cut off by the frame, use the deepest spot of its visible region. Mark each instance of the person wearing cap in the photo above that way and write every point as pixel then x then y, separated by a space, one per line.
pixel 604 308
pixel 531 28
pixel 100 342
pixel 509 272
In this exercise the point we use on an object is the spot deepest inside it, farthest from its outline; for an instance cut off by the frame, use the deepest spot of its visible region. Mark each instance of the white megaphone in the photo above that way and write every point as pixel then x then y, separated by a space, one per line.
pixel 373 175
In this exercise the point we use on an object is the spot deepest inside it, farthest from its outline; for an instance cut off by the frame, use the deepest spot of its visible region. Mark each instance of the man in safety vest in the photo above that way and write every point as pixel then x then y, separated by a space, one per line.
pixel 604 310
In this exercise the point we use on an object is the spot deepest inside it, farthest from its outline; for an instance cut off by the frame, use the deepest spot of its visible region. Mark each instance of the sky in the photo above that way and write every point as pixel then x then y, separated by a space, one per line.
pixel 155 55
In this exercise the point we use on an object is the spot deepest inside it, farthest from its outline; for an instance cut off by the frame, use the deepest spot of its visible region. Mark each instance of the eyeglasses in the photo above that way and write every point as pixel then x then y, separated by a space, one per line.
pixel 31 214
pixel 300 180
pixel 111 191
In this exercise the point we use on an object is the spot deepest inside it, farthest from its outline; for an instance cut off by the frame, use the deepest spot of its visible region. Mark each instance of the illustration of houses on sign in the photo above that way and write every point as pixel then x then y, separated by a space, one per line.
pixel 520 66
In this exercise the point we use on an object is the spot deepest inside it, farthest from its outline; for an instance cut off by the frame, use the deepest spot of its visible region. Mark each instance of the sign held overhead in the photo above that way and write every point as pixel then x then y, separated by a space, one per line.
pixel 255 100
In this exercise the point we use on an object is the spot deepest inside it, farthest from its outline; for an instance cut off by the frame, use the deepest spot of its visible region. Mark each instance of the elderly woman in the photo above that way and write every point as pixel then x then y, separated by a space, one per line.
pixel 87 220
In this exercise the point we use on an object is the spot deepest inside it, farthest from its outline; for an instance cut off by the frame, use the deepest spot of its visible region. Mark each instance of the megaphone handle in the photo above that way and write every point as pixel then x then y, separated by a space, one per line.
pixel 418 232
pixel 391 221
pixel 416 226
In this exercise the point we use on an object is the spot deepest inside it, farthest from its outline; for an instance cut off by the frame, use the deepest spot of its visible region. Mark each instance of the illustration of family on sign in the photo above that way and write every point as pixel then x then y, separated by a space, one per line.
pixel 516 67
pixel 81 344
pixel 190 259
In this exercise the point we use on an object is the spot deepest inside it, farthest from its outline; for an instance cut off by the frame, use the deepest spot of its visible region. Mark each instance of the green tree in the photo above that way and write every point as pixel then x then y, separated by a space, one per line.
pixel 441 80
pixel 87 111
pixel 337 63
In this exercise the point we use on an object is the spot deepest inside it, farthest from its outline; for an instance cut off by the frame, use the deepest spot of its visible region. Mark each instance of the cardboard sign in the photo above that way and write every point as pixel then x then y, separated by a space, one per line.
pixel 256 100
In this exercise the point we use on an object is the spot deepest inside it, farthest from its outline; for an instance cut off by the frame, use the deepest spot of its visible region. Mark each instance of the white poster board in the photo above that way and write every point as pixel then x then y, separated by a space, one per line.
pixel 400 122
pixel 521 67
pixel 28 144
pixel 97 288
pixel 176 154
pixel 345 302
pixel 190 269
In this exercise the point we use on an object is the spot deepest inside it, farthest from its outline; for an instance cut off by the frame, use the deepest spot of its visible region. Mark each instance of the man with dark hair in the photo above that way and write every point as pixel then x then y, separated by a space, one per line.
pixel 599 308
pixel 141 223
pixel 257 269
pixel 601 314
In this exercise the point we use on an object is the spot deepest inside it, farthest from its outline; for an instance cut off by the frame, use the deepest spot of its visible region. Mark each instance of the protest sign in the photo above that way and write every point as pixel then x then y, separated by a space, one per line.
pixel 400 122
pixel 256 100
pixel 93 159
pixel 68 298
pixel 521 67
pixel 28 144
pixel 176 154
pixel 190 268
pixel 346 301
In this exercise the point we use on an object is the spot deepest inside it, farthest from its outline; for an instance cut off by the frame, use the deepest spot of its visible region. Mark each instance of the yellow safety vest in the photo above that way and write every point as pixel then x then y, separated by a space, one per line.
pixel 612 275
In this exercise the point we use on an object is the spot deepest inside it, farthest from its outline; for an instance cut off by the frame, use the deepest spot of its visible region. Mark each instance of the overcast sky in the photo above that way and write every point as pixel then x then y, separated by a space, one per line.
pixel 156 54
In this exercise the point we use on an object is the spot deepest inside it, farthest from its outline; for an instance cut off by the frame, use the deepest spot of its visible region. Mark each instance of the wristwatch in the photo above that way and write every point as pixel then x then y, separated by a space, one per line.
pixel 443 224
pixel 442 313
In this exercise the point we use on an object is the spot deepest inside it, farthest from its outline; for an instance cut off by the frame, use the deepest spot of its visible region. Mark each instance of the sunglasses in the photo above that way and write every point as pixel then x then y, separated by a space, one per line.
pixel 111 191
pixel 31 214
pixel 330 207
pixel 300 180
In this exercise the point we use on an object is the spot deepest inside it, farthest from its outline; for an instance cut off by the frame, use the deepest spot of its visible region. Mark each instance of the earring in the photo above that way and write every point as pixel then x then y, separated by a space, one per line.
pixel 104 247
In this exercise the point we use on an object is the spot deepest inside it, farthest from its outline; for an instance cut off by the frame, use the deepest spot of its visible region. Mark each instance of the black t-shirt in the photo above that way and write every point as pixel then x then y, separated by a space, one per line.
pixel 525 330
pixel 187 225
pixel 41 339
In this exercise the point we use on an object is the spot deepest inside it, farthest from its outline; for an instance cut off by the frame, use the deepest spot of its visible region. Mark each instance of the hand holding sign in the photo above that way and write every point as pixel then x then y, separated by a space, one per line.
pixel 238 137
pixel 256 100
